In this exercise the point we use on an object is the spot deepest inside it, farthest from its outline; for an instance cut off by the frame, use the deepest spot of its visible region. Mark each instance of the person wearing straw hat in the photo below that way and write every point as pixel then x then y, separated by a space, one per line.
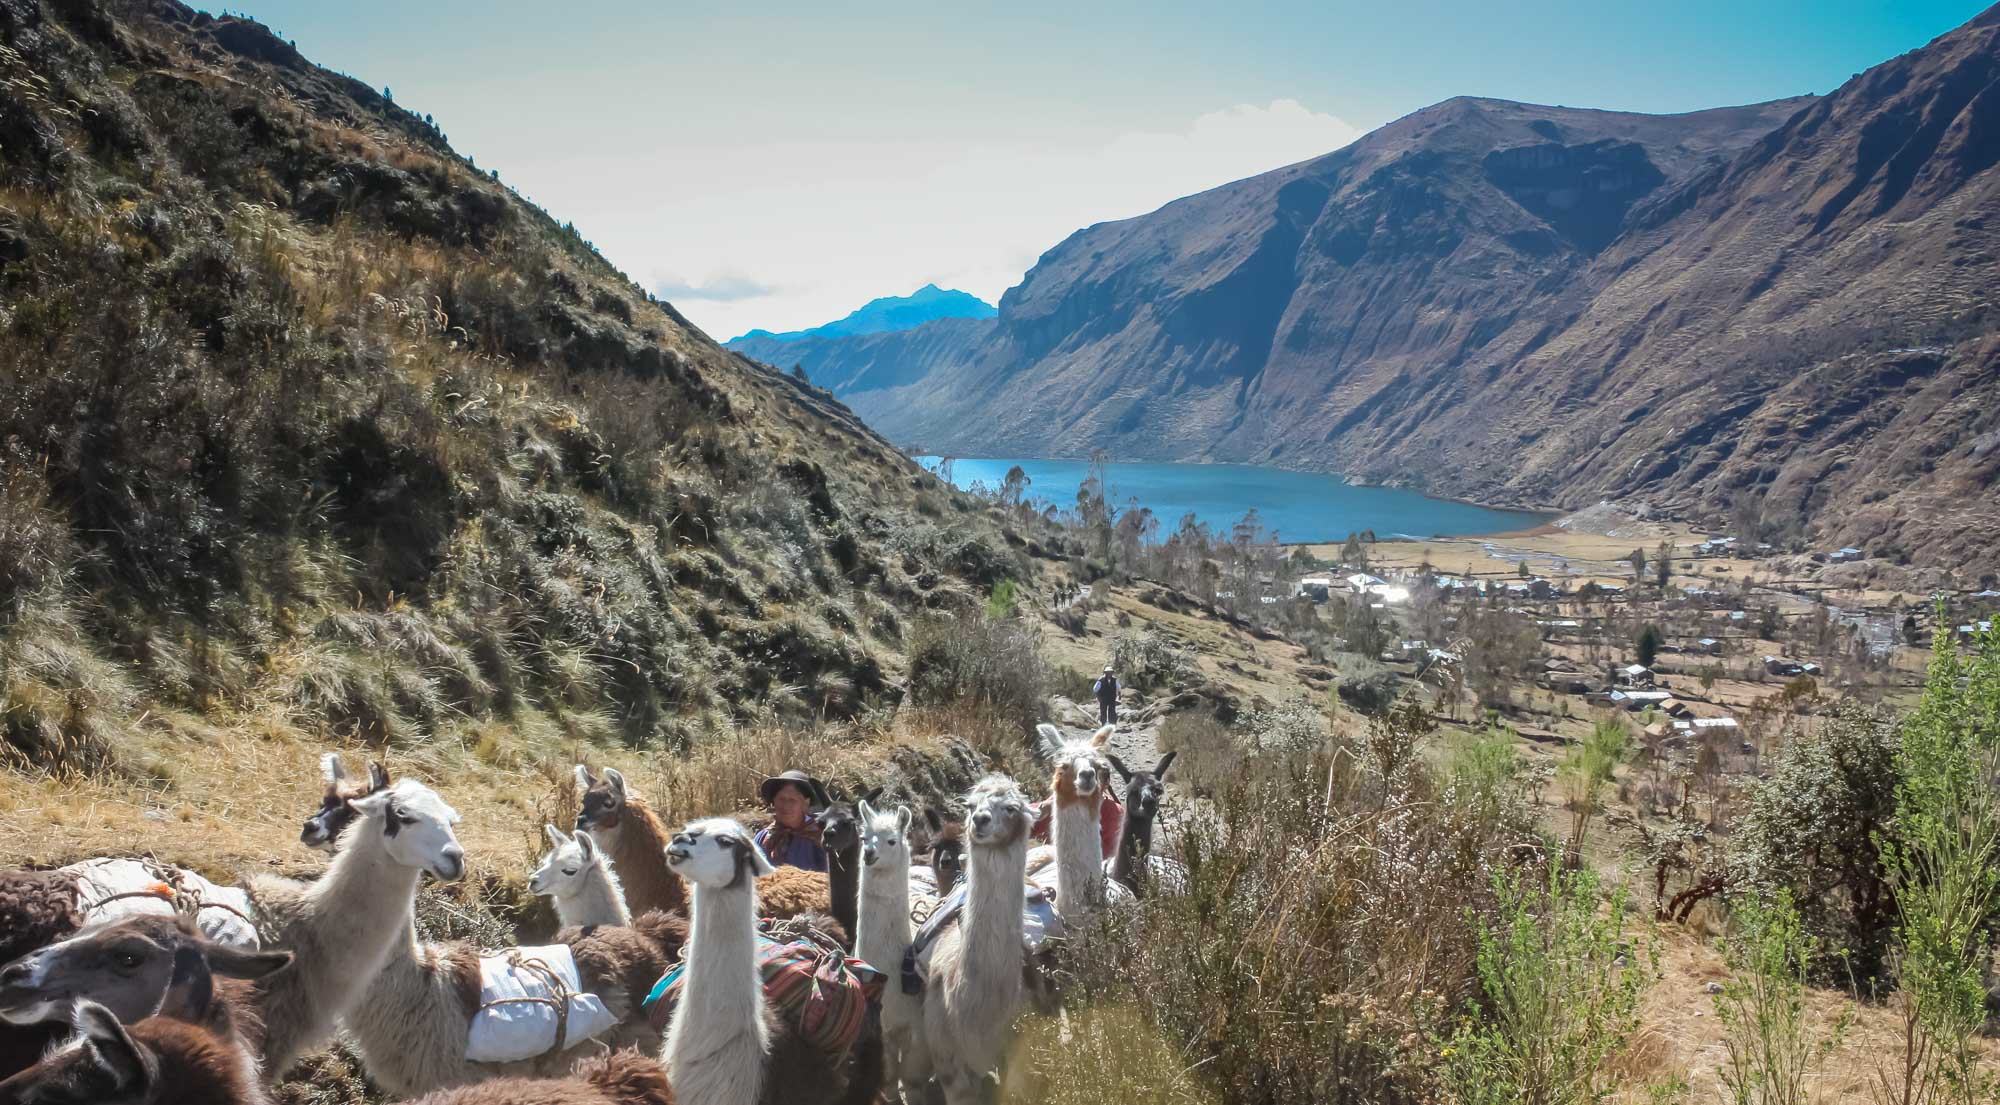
pixel 1107 697
pixel 792 837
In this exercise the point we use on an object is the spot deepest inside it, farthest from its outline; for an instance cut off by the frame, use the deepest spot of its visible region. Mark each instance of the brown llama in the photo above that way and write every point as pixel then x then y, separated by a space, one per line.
pixel 636 840
pixel 159 1061
pixel 620 1078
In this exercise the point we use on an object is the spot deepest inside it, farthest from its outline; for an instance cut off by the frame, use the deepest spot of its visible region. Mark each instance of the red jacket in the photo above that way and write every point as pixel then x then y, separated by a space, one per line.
pixel 1110 823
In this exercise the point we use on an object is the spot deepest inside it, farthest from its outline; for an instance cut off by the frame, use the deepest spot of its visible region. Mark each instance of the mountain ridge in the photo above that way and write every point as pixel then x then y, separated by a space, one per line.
pixel 1691 312
pixel 884 314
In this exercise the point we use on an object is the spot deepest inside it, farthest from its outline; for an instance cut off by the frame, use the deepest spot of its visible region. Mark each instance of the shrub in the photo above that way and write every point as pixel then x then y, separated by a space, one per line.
pixel 1771 1040
pixel 1147 661
pixel 1813 833
pixel 1558 995
pixel 991 666
pixel 1209 753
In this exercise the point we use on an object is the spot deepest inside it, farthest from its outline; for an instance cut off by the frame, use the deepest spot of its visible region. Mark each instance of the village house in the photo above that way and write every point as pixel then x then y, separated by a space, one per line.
pixel 1635 675
pixel 1845 556
pixel 1709 646
pixel 1638 700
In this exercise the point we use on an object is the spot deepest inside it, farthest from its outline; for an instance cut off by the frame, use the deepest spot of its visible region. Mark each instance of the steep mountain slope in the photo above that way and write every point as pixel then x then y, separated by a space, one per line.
pixel 305 422
pixel 896 312
pixel 1783 308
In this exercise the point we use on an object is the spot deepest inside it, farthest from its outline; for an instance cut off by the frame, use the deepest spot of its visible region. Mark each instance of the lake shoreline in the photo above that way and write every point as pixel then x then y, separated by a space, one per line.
pixel 1323 506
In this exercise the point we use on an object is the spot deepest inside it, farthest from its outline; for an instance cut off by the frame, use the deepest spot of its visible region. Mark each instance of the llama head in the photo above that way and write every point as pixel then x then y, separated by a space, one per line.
pixel 885 836
pixel 1143 789
pixel 568 866
pixel 603 798
pixel 416 827
pixel 135 967
pixel 840 826
pixel 324 827
pixel 716 852
pixel 997 814
pixel 1081 772
pixel 101 1065
pixel 947 850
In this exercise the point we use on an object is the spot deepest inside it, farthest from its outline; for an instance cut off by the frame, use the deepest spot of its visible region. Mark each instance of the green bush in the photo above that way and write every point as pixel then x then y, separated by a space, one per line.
pixel 1558 995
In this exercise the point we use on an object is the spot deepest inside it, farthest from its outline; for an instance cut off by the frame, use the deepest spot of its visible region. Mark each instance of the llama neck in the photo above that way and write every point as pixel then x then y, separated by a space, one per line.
pixel 843 885
pixel 599 901
pixel 885 929
pixel 1134 841
pixel 994 878
pixel 638 851
pixel 722 1000
pixel 1079 855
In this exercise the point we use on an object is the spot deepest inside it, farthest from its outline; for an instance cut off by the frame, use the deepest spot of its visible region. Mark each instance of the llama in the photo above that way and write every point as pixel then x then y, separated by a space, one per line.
pixel 159 1061
pixel 1078 789
pixel 974 989
pixel 634 838
pixel 620 1078
pixel 141 967
pixel 840 834
pixel 1135 866
pixel 37 908
pixel 342 928
pixel 724 1045
pixel 636 841
pixel 577 876
pixel 885 930
pixel 324 826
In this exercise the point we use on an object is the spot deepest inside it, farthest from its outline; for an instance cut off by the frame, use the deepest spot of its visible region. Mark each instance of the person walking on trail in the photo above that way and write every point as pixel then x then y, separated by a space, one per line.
pixel 1107 697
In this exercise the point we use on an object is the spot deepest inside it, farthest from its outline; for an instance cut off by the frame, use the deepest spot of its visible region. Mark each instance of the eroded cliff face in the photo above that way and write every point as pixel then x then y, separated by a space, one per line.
pixel 1789 303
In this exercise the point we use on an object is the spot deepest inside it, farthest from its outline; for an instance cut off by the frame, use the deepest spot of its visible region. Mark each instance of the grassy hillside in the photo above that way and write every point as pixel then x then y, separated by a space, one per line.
pixel 311 430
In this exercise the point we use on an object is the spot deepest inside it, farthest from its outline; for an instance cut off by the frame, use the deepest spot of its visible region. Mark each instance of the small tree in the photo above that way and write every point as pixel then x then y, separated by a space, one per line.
pixel 1663 564
pixel 1638 559
pixel 1648 644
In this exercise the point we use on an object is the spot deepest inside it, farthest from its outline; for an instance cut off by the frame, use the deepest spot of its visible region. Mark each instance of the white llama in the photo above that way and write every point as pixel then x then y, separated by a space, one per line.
pixel 1082 778
pixel 720 1034
pixel 885 926
pixel 342 927
pixel 973 990
pixel 577 876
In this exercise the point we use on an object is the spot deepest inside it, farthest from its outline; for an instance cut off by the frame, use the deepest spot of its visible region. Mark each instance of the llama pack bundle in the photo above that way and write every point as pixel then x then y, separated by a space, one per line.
pixel 532 1003
pixel 110 889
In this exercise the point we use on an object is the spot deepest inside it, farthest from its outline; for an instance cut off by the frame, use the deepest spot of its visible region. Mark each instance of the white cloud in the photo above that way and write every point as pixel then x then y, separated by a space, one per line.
pixel 828 223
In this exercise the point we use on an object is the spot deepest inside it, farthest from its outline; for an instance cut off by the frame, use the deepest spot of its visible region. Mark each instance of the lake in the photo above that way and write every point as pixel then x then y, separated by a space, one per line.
pixel 1300 506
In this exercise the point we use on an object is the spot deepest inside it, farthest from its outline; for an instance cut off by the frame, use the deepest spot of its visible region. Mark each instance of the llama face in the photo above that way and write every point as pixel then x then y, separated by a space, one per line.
pixel 1143 789
pixel 603 799
pixel 102 1065
pixel 885 837
pixel 135 967
pixel 417 828
pixel 996 813
pixel 565 870
pixel 324 827
pixel 840 826
pixel 948 856
pixel 1081 769
pixel 716 852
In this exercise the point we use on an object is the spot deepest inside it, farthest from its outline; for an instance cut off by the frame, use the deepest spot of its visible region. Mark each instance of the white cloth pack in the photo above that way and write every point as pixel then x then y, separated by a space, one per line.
pixel 527 1029
pixel 100 882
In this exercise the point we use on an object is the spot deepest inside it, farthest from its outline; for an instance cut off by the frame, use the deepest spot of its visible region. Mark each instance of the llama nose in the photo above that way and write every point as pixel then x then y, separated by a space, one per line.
pixel 15 974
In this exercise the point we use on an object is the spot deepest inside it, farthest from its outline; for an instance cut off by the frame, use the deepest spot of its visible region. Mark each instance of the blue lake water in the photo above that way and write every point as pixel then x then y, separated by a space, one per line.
pixel 1300 506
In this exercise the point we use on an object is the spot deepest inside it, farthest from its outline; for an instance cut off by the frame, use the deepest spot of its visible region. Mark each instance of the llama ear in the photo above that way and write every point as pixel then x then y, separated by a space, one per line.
pixel 583 779
pixel 587 846
pixel 760 864
pixel 556 836
pixel 1098 738
pixel 236 963
pixel 331 770
pixel 370 805
pixel 866 811
pixel 617 781
pixel 873 795
pixel 1052 738
pixel 903 819
pixel 378 775
pixel 1160 772
pixel 1118 765
pixel 111 1049
pixel 191 991
pixel 932 819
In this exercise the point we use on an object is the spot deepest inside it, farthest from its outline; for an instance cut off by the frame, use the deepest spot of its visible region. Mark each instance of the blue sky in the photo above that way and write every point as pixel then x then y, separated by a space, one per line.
pixel 776 164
